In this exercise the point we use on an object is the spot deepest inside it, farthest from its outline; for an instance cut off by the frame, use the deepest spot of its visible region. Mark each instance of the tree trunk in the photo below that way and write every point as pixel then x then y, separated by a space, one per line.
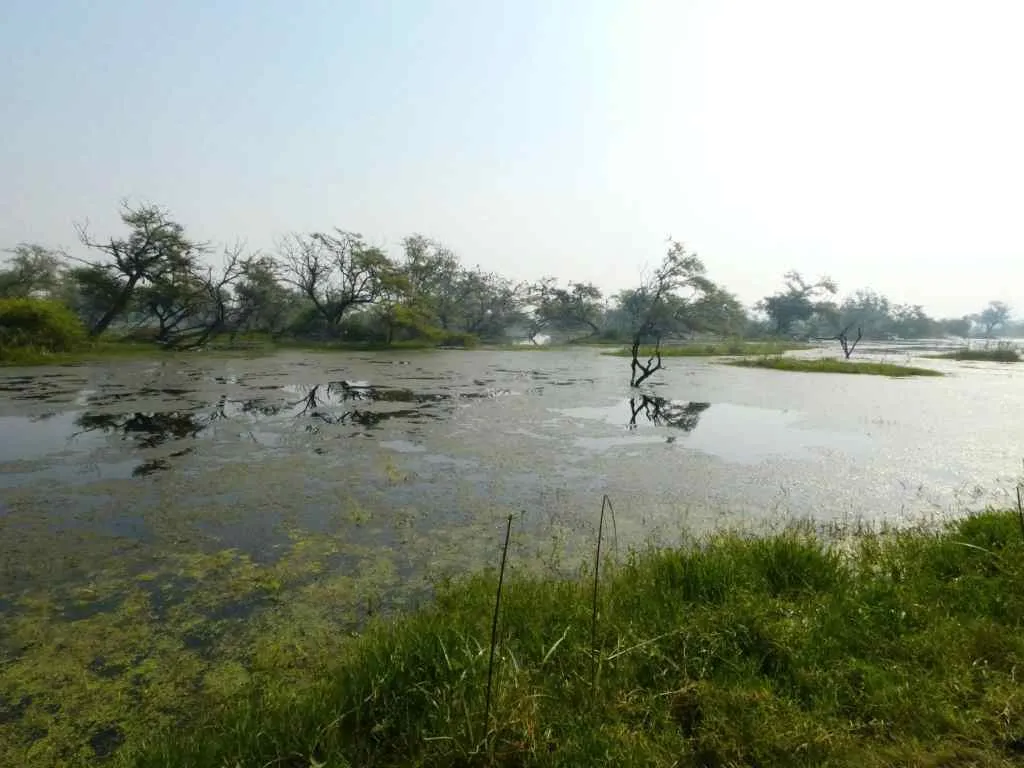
pixel 116 308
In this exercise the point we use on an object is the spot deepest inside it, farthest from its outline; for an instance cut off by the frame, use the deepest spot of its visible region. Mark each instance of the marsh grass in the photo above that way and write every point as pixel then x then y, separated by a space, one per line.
pixel 829 365
pixel 716 349
pixel 1000 354
pixel 106 350
pixel 904 649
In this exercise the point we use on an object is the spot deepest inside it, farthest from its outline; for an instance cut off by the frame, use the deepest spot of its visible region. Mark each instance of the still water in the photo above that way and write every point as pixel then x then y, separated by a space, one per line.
pixel 203 491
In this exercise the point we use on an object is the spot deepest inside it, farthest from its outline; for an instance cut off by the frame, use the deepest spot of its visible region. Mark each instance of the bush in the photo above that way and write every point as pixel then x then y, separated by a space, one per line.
pixel 38 325
pixel 457 339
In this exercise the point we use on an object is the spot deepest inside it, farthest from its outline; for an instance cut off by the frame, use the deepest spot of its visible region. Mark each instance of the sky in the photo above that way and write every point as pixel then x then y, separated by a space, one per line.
pixel 879 143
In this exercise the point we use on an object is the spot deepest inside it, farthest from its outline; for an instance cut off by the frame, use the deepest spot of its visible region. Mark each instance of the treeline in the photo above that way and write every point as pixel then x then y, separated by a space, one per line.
pixel 155 282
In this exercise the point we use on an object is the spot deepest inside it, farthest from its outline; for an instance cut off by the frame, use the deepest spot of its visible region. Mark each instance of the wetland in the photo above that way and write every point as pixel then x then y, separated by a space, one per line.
pixel 175 529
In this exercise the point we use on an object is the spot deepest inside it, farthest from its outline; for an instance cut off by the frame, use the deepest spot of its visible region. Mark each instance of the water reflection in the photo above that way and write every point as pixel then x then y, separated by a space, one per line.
pixel 661 411
pixel 149 430
pixel 338 403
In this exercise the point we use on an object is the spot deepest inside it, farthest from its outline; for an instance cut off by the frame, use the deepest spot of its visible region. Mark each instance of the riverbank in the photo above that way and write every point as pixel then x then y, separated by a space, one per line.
pixel 902 648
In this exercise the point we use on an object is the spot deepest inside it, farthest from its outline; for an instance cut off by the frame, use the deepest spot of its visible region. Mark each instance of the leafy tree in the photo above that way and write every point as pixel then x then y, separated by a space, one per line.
pixel 574 309
pixel 90 291
pixel 433 274
pixel 487 304
pixel 336 272
pixel 996 314
pixel 32 270
pixel 910 321
pixel 263 303
pixel 155 248
pixel 798 301
pixel 173 299
pixel 956 326
pixel 664 304
pixel 868 311
pixel 717 310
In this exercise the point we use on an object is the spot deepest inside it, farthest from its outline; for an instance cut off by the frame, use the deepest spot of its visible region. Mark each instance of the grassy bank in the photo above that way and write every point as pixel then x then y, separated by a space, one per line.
pixel 122 349
pixel 716 349
pixel 903 650
pixel 829 365
pixel 106 350
pixel 998 355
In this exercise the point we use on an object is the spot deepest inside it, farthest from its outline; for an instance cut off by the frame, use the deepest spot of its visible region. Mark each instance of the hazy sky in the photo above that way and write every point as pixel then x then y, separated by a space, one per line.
pixel 879 142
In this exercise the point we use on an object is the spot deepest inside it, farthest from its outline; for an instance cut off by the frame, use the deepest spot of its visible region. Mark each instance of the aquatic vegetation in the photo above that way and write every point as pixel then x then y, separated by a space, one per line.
pixel 831 365
pixel 893 649
pixel 715 349
pixel 999 354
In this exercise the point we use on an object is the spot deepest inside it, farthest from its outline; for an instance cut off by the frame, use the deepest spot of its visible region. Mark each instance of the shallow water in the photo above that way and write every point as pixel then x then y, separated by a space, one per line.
pixel 218 490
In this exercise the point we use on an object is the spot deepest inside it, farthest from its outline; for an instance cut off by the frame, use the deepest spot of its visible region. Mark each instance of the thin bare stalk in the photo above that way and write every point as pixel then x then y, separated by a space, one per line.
pixel 494 627
pixel 1020 509
pixel 606 503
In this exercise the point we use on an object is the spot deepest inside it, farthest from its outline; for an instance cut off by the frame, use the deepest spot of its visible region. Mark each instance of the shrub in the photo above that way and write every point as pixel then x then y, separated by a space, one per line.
pixel 457 339
pixel 38 325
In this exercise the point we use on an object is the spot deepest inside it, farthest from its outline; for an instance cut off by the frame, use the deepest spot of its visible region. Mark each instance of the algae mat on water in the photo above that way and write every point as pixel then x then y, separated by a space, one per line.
pixel 96 660
pixel 902 649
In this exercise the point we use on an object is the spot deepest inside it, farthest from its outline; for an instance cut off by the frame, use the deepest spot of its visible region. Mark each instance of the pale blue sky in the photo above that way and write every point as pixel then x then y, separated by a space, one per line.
pixel 879 142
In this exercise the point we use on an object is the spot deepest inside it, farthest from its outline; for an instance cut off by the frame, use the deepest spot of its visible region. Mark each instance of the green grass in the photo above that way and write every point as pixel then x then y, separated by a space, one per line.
pixel 830 365
pixel 998 355
pixel 115 349
pixel 897 649
pixel 716 349
pixel 104 350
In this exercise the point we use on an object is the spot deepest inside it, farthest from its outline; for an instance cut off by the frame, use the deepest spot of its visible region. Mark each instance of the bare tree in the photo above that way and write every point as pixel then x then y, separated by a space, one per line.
pixel 844 340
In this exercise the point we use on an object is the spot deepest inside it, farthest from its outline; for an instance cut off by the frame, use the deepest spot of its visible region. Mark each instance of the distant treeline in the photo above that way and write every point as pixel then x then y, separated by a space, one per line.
pixel 155 282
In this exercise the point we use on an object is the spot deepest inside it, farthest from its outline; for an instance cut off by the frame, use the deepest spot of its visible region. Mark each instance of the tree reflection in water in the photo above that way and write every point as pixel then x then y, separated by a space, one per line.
pixel 663 412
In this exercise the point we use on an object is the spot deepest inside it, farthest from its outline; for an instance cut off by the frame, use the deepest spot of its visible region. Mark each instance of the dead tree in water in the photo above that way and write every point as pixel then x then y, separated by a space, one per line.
pixel 640 372
pixel 844 340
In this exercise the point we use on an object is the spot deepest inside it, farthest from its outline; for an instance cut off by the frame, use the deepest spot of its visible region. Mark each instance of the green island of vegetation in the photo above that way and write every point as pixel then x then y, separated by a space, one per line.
pixel 1000 354
pixel 713 349
pixel 893 648
pixel 831 365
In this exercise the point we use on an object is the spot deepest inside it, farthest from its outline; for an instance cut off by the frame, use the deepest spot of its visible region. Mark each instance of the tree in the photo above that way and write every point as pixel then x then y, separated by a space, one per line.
pixel 487 303
pixel 577 308
pixel 263 304
pixel 91 291
pixel 797 301
pixel 32 271
pixel 869 311
pixel 718 311
pixel 156 247
pixel 956 326
pixel 173 299
pixel 336 272
pixel 218 310
pixel 433 274
pixel 996 314
pixel 657 308
pixel 910 321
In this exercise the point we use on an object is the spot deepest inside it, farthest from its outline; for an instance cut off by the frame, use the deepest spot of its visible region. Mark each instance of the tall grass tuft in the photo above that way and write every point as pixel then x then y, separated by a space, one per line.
pixel 895 649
